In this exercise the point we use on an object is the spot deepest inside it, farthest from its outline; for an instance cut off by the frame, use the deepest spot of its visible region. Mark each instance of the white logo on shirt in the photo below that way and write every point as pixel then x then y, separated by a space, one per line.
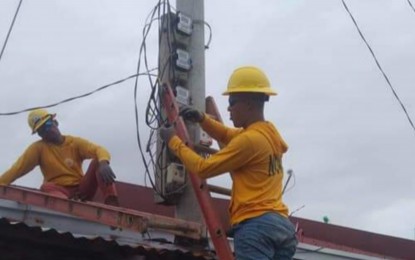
pixel 69 162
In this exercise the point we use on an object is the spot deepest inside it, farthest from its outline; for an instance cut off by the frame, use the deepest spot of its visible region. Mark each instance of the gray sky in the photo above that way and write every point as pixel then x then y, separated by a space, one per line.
pixel 351 146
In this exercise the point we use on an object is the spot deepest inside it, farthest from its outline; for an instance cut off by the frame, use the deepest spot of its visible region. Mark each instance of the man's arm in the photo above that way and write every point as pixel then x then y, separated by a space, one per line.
pixel 215 129
pixel 26 162
pixel 90 150
pixel 232 157
pixel 219 131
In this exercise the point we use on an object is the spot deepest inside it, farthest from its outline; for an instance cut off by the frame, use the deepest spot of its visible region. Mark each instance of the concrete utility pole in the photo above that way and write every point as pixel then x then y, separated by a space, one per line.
pixel 187 54
pixel 186 207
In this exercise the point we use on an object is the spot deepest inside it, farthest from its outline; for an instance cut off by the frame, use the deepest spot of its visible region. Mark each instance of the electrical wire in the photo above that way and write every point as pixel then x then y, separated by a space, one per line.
pixel 154 117
pixel 210 35
pixel 378 65
pixel 10 29
pixel 210 31
pixel 77 97
pixel 142 51
pixel 291 174
pixel 153 155
pixel 410 4
pixel 296 210
pixel 156 153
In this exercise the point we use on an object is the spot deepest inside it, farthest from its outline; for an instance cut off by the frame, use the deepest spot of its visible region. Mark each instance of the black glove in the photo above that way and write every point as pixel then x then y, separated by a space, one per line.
pixel 166 133
pixel 190 114
pixel 106 173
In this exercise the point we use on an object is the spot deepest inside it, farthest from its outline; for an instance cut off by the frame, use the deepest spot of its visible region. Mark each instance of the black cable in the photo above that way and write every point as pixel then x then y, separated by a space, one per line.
pixel 154 116
pixel 75 97
pixel 410 4
pixel 210 32
pixel 380 68
pixel 10 29
pixel 143 54
pixel 210 35
pixel 290 175
pixel 146 29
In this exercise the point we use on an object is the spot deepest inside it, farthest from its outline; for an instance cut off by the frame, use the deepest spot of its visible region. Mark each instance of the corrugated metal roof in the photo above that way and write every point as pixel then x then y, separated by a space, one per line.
pixel 22 225
pixel 19 241
pixel 96 240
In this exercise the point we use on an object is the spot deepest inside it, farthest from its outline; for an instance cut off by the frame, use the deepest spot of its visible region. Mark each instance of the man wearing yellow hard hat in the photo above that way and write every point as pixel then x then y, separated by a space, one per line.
pixel 253 156
pixel 60 159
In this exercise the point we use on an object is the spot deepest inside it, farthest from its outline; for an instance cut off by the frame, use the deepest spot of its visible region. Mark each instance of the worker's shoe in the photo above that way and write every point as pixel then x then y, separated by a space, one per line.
pixel 112 200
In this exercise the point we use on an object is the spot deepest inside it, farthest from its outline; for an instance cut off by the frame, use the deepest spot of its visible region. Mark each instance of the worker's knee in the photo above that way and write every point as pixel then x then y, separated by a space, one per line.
pixel 54 189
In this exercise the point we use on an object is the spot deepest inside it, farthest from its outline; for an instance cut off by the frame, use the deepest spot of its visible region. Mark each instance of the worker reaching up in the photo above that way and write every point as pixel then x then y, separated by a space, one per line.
pixel 252 154
pixel 60 159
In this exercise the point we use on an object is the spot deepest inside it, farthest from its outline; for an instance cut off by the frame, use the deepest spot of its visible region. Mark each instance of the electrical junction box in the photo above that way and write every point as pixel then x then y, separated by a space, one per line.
pixel 175 177
pixel 184 24
pixel 183 60
pixel 182 95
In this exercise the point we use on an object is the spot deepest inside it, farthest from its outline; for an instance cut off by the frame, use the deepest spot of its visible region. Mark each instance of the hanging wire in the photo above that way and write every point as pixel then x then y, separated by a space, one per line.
pixel 142 52
pixel 380 68
pixel 152 156
pixel 210 35
pixel 410 4
pixel 210 31
pixel 79 96
pixel 10 29
pixel 154 117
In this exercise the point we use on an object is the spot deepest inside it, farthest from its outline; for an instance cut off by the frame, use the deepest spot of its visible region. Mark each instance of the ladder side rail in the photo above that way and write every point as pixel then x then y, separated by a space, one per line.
pixel 216 231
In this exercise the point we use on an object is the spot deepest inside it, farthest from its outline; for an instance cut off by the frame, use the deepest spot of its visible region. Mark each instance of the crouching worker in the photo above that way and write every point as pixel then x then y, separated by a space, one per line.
pixel 60 159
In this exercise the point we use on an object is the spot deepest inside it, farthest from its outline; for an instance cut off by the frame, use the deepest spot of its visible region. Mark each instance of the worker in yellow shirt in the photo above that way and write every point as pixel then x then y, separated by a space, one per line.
pixel 253 156
pixel 60 159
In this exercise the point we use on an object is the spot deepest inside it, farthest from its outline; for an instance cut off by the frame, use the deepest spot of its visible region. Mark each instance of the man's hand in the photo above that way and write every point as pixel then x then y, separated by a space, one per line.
pixel 106 173
pixel 166 133
pixel 190 114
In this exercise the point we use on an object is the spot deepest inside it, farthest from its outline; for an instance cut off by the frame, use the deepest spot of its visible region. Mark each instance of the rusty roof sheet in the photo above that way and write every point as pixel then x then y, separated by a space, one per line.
pixel 20 241
pixel 103 242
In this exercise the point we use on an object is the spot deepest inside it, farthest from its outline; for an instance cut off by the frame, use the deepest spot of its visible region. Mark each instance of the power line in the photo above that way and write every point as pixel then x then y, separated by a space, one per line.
pixel 10 29
pixel 153 113
pixel 410 4
pixel 380 68
pixel 75 97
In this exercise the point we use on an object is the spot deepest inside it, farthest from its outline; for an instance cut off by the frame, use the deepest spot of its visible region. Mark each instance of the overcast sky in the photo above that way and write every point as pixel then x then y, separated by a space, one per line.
pixel 351 147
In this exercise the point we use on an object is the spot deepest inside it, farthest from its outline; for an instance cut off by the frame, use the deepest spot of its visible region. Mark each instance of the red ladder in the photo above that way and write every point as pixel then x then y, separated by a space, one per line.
pixel 216 231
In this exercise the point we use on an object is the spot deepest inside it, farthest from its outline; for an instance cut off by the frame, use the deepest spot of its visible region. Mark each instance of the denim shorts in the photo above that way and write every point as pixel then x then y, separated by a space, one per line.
pixel 266 237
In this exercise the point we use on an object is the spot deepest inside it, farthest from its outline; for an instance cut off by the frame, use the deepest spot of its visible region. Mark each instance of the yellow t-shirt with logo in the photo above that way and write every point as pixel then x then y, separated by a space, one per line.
pixel 252 156
pixel 60 164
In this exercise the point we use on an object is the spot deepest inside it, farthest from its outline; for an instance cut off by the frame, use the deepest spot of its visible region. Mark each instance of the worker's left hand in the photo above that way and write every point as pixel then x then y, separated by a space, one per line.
pixel 166 133
pixel 106 173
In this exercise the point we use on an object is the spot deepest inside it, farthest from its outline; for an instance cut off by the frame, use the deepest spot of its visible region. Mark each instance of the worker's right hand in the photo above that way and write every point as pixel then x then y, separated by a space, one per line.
pixel 166 133
pixel 190 114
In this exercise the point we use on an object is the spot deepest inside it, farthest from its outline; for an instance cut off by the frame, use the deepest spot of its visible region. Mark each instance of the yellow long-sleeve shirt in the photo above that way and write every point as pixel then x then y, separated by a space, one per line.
pixel 253 158
pixel 60 164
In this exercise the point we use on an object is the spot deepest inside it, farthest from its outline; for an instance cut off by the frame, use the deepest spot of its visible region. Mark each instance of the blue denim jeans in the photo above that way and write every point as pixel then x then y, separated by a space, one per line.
pixel 269 236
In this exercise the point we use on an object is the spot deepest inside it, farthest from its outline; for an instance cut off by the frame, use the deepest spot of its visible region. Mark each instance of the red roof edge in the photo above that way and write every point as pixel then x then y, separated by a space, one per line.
pixel 142 199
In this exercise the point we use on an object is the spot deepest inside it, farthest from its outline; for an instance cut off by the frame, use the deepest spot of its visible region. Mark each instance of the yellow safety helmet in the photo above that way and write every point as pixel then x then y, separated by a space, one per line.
pixel 37 118
pixel 249 79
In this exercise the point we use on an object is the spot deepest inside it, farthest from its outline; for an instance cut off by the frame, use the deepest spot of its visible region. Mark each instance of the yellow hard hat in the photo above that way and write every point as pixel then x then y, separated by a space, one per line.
pixel 249 79
pixel 37 118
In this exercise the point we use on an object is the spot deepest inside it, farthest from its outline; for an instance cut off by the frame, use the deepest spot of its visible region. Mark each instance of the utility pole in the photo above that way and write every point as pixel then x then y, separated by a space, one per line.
pixel 182 33
pixel 186 72
pixel 196 87
pixel 182 51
